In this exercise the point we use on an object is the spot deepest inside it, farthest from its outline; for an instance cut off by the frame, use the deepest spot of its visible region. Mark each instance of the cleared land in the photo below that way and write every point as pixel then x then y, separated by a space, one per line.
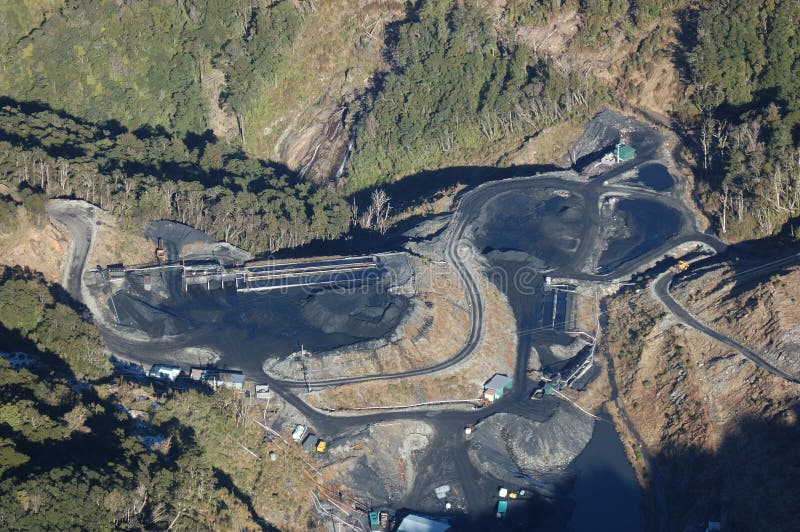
pixel 708 418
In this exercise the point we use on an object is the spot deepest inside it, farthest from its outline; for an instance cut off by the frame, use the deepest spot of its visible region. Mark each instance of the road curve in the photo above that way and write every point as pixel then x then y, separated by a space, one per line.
pixel 592 190
pixel 476 310
pixel 661 291
pixel 77 217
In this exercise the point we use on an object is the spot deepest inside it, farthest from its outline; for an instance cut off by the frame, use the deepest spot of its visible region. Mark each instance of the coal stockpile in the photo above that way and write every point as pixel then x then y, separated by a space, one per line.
pixel 640 226
pixel 536 226
pixel 245 329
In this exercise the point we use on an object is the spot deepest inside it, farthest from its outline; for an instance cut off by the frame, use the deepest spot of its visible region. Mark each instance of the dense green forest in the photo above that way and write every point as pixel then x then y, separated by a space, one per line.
pixel 456 89
pixel 73 456
pixel 745 70
pixel 140 63
pixel 150 174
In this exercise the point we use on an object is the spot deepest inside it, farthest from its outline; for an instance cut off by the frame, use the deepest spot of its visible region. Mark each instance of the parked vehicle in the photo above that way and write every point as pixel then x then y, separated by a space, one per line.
pixel 299 432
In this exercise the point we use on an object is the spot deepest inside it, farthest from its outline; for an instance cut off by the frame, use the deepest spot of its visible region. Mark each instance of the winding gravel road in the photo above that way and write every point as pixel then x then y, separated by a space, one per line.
pixel 660 288
pixel 77 217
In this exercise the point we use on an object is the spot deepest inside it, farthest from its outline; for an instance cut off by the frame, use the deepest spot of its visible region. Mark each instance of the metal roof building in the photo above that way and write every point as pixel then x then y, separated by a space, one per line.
pixel 420 523
pixel 497 386
pixel 624 152
pixel 216 378
pixel 163 371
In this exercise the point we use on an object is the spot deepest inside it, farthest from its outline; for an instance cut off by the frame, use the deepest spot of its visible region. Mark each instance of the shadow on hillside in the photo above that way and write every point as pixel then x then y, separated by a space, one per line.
pixel 748 483
pixel 751 260
pixel 62 135
pixel 407 194
pixel 103 449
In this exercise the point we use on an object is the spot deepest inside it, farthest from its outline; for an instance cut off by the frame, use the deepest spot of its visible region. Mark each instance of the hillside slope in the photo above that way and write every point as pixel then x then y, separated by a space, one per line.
pixel 711 435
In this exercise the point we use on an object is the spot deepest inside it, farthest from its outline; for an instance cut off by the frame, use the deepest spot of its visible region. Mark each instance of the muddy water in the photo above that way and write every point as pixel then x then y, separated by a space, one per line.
pixel 606 493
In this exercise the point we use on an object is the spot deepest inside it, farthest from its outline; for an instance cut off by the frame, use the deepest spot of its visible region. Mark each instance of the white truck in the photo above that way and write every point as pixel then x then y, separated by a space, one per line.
pixel 299 432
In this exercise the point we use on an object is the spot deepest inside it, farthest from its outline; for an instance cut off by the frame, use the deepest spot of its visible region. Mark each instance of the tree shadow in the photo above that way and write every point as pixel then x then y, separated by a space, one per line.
pixel 224 480
pixel 35 126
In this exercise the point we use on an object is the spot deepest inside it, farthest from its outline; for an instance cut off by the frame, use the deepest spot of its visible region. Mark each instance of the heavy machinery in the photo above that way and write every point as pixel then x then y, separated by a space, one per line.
pixel 161 251
pixel 681 266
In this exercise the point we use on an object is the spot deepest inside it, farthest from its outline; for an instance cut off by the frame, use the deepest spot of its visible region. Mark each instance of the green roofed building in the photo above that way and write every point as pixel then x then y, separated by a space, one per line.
pixel 623 153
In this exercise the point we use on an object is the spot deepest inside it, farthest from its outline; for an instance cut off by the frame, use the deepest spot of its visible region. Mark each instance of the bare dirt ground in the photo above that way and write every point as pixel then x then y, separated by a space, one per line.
pixel 432 333
pixel 115 245
pixel 764 317
pixel 552 38
pixel 378 462
pixel 549 146
pixel 42 248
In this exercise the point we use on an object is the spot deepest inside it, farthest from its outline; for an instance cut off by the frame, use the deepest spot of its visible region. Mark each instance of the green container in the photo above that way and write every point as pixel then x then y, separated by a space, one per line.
pixel 272 456
pixel 373 519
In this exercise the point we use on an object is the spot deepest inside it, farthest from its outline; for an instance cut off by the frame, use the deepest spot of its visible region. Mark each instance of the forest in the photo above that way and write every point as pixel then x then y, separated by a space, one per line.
pixel 745 71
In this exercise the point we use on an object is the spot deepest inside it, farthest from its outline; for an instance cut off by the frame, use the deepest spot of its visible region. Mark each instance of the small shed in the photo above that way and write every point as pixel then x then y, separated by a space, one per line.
pixel 163 371
pixel 495 387
pixel 502 507
pixel 624 152
pixel 374 521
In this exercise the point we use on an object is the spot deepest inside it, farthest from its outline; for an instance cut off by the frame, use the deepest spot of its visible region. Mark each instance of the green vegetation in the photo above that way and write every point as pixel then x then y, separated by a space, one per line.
pixel 150 174
pixel 458 87
pixel 458 90
pixel 73 456
pixel 745 70
pixel 29 306
pixel 139 63
pixel 268 36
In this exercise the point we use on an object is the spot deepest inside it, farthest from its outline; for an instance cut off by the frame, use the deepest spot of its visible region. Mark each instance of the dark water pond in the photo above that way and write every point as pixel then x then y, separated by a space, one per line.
pixel 606 493
pixel 656 176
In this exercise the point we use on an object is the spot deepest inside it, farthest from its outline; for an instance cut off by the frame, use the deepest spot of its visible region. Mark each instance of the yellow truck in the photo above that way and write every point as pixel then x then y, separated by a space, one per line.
pixel 321 446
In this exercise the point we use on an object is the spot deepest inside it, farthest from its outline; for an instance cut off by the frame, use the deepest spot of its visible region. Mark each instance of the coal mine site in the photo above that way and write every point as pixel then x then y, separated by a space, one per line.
pixel 544 241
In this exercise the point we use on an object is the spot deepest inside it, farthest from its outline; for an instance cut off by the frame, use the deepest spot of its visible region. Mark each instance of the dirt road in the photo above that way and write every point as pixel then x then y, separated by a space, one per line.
pixel 77 217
